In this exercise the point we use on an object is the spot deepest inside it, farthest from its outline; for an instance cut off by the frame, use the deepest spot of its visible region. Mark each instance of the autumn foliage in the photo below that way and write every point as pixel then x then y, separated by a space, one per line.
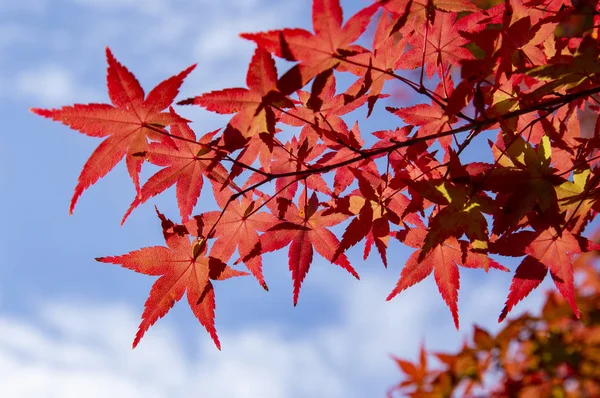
pixel 495 155
pixel 553 354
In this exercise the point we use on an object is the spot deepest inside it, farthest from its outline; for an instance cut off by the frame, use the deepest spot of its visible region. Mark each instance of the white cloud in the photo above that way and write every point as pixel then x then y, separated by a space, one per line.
pixel 50 85
pixel 220 39
pixel 144 7
pixel 154 38
pixel 69 348
pixel 261 363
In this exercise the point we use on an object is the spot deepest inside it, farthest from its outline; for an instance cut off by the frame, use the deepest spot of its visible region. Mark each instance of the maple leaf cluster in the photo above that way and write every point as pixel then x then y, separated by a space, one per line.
pixel 553 354
pixel 520 77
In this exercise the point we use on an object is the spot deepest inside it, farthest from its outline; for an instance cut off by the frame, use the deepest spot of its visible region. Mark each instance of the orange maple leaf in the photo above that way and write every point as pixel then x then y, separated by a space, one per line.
pixel 128 123
pixel 182 266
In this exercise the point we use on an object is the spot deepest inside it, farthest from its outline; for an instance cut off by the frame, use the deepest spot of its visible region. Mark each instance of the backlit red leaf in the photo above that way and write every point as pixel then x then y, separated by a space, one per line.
pixel 182 266
pixel 128 124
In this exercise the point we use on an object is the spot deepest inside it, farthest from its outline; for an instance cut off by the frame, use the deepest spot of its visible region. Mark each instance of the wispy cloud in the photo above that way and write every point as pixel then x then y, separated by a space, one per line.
pixel 71 347
pixel 48 55
pixel 51 85
pixel 142 7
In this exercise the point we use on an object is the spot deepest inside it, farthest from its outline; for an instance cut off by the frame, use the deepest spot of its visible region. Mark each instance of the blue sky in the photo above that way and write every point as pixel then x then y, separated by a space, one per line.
pixel 67 321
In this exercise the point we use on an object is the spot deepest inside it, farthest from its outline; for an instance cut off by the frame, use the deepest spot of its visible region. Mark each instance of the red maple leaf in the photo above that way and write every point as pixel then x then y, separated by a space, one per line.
pixel 443 260
pixel 319 111
pixel 376 203
pixel 320 51
pixel 128 123
pixel 460 205
pixel 253 106
pixel 352 144
pixel 236 227
pixel 545 250
pixel 416 373
pixel 182 266
pixel 295 157
pixel 185 163
pixel 444 45
pixel 431 119
pixel 416 11
pixel 521 36
pixel 373 67
pixel 524 182
pixel 304 228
